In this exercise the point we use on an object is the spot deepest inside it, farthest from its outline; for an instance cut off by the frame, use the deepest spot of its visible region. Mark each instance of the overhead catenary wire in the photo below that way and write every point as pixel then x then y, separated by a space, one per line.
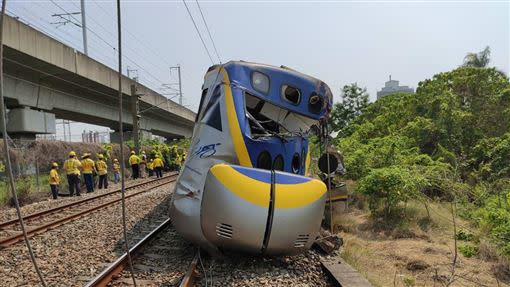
pixel 133 50
pixel 198 31
pixel 150 48
pixel 122 158
pixel 208 31
pixel 38 24
pixel 108 44
pixel 8 163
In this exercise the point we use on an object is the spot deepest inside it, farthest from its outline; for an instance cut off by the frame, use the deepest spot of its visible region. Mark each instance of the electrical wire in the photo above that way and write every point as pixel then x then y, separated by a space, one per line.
pixel 198 31
pixel 7 155
pixel 141 42
pixel 203 268
pixel 134 51
pixel 208 31
pixel 121 133
pixel 30 19
pixel 108 44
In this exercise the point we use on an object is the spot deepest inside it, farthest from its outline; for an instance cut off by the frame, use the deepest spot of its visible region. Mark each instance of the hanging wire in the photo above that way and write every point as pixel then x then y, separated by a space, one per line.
pixel 198 31
pixel 208 32
pixel 122 158
pixel 8 163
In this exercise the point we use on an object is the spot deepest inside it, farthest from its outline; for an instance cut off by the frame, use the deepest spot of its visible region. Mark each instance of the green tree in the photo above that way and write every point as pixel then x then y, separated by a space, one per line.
pixel 354 101
pixel 478 60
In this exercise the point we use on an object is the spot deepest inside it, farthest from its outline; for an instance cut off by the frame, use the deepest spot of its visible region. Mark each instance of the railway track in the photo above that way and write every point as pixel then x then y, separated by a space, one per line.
pixel 40 222
pixel 117 272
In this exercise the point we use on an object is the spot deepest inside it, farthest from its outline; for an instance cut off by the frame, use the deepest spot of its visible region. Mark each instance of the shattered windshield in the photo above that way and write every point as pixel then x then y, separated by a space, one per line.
pixel 267 119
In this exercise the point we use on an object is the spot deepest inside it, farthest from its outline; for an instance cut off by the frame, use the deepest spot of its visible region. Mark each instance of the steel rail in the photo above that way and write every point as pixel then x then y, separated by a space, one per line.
pixel 189 278
pixel 5 242
pixel 72 204
pixel 114 269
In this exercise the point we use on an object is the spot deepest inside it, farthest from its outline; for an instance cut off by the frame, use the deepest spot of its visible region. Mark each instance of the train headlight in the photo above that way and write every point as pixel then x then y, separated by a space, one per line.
pixel 315 103
pixel 260 82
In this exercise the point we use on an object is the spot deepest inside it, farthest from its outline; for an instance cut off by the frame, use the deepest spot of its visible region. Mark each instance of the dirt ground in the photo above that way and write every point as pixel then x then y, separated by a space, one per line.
pixel 417 254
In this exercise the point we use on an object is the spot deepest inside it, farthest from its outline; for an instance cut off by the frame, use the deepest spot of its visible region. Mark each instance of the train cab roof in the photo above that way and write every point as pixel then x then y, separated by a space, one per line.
pixel 281 86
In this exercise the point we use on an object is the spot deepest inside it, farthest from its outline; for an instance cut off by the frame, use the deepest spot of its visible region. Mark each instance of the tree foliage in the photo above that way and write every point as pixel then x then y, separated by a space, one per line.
pixel 451 138
pixel 478 60
pixel 354 101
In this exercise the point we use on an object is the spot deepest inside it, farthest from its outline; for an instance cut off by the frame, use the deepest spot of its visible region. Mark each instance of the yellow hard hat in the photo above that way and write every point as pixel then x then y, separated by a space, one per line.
pixel 132 152
pixel 100 156
pixel 72 153
pixel 156 156
pixel 54 164
pixel 115 160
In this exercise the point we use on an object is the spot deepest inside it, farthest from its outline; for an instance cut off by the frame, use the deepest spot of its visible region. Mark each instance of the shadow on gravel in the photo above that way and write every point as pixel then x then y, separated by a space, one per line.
pixel 144 225
pixel 165 260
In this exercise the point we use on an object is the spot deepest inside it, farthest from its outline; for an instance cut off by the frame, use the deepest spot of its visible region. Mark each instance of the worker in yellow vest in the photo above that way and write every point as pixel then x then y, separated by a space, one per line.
pixel 88 170
pixel 157 164
pixel 116 171
pixel 150 167
pixel 134 162
pixel 143 164
pixel 72 167
pixel 54 180
pixel 102 170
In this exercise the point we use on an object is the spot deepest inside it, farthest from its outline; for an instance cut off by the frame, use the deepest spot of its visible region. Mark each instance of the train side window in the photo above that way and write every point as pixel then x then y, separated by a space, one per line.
pixel 204 93
pixel 214 98
pixel 214 118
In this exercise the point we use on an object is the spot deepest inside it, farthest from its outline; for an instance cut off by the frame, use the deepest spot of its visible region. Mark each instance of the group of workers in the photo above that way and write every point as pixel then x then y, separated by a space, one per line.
pixel 89 168
pixel 139 165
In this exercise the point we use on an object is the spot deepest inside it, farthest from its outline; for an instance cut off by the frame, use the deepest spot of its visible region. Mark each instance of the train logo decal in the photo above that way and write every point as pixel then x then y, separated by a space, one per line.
pixel 206 151
pixel 248 162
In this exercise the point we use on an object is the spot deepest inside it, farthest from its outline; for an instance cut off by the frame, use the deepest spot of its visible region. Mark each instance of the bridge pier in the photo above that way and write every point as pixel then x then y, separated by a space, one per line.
pixel 24 123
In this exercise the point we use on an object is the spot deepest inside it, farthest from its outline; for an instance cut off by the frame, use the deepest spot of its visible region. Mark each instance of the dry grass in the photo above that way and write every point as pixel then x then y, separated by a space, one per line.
pixel 417 251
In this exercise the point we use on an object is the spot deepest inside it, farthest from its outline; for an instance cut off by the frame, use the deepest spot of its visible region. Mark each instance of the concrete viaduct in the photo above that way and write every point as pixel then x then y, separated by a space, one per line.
pixel 45 79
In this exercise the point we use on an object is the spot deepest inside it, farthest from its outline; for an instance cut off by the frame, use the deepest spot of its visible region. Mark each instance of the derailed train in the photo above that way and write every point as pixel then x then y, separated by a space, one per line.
pixel 243 185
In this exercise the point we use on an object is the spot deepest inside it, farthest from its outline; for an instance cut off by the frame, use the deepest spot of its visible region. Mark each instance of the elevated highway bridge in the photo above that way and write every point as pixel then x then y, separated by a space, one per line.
pixel 45 79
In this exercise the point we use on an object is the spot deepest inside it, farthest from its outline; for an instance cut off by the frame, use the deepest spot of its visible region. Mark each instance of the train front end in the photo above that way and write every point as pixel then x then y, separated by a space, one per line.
pixel 255 195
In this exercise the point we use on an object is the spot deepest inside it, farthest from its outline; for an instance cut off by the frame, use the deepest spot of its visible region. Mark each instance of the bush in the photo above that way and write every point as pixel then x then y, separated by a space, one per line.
pixel 468 250
pixel 464 235
pixel 387 187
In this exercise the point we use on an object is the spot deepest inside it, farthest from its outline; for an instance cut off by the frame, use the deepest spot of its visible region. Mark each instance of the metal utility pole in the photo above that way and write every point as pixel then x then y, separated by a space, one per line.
pixel 84 28
pixel 64 128
pixel 136 118
pixel 135 78
pixel 178 67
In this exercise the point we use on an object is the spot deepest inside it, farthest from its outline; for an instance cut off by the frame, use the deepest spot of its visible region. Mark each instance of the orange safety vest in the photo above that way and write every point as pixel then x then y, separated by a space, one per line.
pixel 134 159
pixel 87 166
pixel 157 163
pixel 72 166
pixel 101 167
pixel 116 167
pixel 54 177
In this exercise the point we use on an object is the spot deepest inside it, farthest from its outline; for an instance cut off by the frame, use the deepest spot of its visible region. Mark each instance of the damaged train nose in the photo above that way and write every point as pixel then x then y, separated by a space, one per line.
pixel 269 212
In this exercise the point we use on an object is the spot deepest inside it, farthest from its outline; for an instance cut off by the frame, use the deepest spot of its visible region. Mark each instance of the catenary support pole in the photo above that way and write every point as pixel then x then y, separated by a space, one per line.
pixel 135 111
pixel 8 165
pixel 122 157
pixel 84 27
pixel 180 84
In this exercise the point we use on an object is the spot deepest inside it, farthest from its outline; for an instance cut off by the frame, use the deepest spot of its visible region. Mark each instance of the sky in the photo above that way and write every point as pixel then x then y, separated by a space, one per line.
pixel 339 42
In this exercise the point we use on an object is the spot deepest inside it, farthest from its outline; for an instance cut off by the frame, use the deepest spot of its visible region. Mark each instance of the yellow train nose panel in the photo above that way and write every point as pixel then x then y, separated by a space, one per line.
pixel 293 191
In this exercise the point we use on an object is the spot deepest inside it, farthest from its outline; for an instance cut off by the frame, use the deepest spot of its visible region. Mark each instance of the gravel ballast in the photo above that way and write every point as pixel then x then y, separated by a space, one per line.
pixel 72 254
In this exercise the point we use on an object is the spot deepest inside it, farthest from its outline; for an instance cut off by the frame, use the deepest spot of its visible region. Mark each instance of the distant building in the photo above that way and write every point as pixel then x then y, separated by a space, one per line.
pixel 392 87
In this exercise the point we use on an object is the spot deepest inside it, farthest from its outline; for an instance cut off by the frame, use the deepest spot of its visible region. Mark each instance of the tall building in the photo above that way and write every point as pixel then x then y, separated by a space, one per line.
pixel 392 87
